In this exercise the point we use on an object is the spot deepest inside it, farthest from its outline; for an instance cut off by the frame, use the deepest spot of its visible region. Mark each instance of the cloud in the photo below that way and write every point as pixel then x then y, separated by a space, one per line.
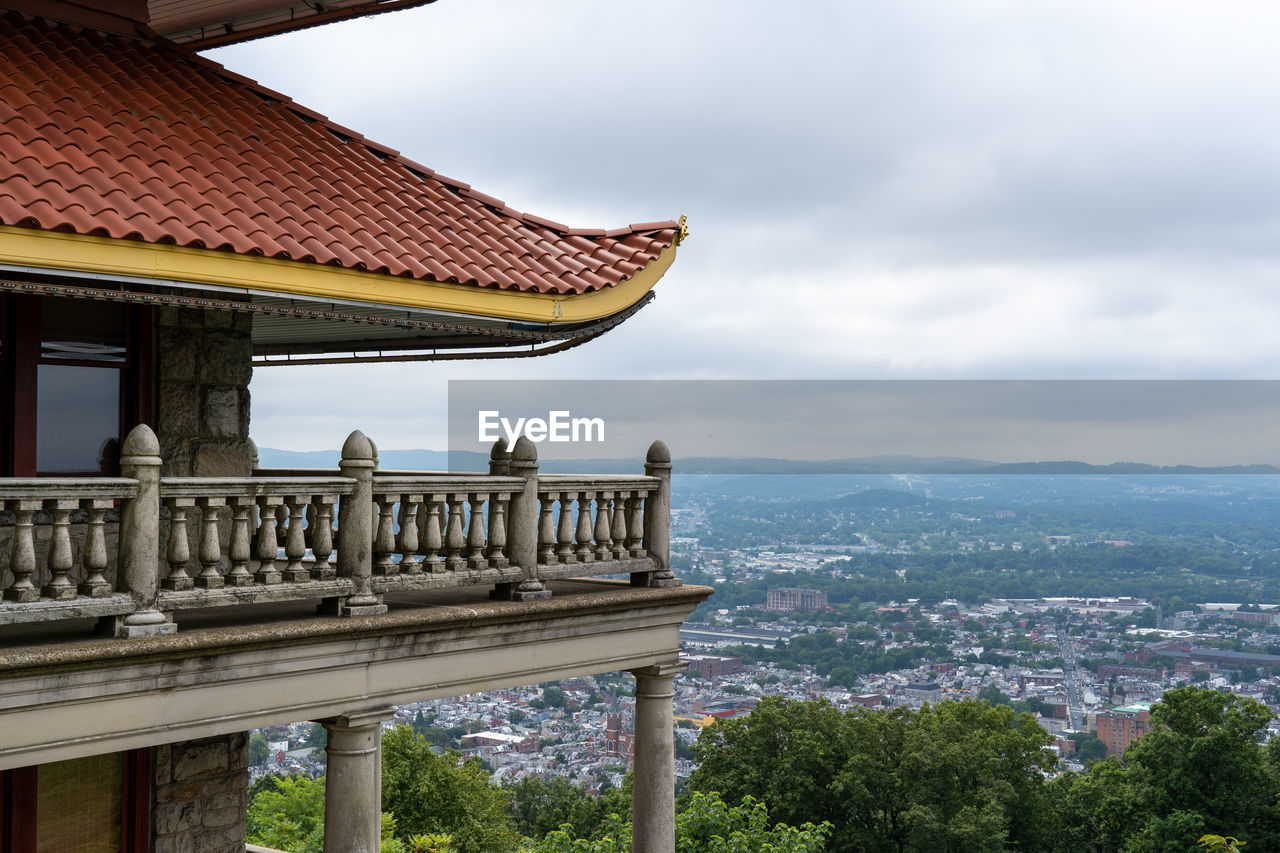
pixel 983 188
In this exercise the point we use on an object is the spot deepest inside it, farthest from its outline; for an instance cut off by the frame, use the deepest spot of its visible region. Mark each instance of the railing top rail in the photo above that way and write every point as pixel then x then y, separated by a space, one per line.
pixel 595 482
pixel 442 482
pixel 404 472
pixel 247 486
pixel 267 473
pixel 41 488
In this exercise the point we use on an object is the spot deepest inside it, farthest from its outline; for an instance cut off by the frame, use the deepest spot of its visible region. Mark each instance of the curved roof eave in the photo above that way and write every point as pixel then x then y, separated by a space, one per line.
pixel 251 274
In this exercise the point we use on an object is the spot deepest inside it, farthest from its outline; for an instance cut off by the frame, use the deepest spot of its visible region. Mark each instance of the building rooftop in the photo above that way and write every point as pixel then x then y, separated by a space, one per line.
pixel 113 139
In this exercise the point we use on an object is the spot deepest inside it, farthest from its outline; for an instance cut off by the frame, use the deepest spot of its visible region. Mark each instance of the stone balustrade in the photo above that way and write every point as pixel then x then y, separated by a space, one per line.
pixel 132 551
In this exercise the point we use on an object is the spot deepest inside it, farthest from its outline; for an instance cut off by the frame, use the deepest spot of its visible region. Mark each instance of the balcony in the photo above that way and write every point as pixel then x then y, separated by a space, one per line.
pixel 144 610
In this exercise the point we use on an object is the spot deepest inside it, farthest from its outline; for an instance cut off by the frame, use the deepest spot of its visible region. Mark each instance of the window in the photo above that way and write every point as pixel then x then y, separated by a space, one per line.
pixel 97 804
pixel 76 375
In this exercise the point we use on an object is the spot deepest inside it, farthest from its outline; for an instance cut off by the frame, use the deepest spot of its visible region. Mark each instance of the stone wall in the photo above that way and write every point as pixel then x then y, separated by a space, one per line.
pixel 203 367
pixel 199 797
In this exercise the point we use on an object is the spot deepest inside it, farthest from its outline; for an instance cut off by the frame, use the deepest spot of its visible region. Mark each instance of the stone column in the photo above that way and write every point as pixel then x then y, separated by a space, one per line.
pixel 355 529
pixel 653 793
pixel 139 570
pixel 657 520
pixel 353 782
pixel 522 527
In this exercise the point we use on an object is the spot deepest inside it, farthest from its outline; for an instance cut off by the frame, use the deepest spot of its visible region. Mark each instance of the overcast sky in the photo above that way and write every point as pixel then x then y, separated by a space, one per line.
pixel 875 190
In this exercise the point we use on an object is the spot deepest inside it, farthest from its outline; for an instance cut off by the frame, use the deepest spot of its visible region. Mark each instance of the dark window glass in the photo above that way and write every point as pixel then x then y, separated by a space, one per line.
pixel 83 330
pixel 78 410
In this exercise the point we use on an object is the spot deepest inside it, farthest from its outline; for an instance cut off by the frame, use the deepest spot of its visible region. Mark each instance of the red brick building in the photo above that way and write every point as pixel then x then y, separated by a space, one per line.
pixel 1120 727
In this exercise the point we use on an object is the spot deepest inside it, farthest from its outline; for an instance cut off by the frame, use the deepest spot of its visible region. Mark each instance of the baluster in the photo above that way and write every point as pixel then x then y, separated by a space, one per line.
pixel 619 530
pixel 61 559
pixel 455 540
pixel 179 551
pixel 295 540
pixel 322 538
pixel 95 585
pixel 475 533
pixel 268 549
pixel 585 552
pixel 210 543
pixel 22 561
pixel 546 530
pixel 635 524
pixel 604 549
pixel 239 552
pixel 384 541
pixel 282 524
pixel 498 531
pixel 432 535
pixel 564 534
pixel 408 544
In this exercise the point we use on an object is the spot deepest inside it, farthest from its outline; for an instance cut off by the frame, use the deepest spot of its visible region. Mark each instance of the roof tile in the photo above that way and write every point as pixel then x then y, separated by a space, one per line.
pixel 142 140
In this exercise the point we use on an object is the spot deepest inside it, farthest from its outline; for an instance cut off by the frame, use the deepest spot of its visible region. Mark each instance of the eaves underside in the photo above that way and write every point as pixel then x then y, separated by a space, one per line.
pixel 201 24
pixel 314 314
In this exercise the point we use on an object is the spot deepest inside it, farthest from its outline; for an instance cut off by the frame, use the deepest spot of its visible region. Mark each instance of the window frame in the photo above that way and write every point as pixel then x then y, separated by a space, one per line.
pixel 19 794
pixel 20 358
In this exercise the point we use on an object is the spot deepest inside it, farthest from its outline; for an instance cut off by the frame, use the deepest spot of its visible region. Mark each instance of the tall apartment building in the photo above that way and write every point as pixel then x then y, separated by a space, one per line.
pixel 1119 727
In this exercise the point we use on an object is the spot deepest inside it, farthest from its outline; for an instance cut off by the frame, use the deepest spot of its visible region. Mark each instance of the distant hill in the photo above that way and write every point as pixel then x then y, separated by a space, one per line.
pixel 1068 467
pixel 857 465
pixel 440 460
pixel 881 499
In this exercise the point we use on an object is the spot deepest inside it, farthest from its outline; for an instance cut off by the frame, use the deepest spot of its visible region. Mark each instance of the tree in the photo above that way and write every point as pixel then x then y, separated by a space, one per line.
pixel 705 823
pixel 993 696
pixel 317 737
pixel 1204 759
pixel 952 776
pixel 783 754
pixel 259 752
pixel 1200 768
pixel 539 806
pixel 429 793
pixel 288 814
pixel 1089 747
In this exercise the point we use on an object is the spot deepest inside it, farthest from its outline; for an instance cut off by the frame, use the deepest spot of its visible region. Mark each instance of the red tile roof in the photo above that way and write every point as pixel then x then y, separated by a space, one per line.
pixel 116 137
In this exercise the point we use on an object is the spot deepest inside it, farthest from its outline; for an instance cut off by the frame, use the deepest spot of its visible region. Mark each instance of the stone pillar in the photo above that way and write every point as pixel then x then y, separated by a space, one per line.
pixel 657 520
pixel 522 526
pixel 204 361
pixel 198 798
pixel 355 528
pixel 139 569
pixel 353 782
pixel 653 792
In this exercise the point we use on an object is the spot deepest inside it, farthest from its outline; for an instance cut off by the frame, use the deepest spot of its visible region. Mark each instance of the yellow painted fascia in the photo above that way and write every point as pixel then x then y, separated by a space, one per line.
pixel 106 256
